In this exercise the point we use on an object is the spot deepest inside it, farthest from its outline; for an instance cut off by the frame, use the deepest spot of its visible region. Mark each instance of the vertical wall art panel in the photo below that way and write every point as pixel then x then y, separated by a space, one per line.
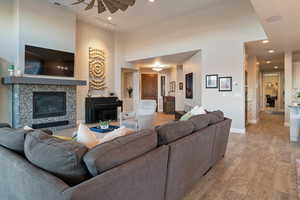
pixel 97 69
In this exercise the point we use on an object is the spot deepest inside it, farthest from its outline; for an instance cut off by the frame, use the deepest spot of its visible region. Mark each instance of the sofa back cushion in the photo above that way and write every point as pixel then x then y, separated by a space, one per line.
pixel 215 116
pixel 62 158
pixel 200 121
pixel 13 139
pixel 173 131
pixel 108 155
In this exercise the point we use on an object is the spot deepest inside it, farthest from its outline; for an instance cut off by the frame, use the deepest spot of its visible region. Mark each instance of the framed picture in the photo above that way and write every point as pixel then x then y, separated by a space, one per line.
pixel 225 84
pixel 172 86
pixel 163 85
pixel 181 86
pixel 212 81
pixel 189 86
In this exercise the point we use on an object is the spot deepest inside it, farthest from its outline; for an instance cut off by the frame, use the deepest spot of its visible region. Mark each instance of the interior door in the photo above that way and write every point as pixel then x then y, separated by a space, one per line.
pixel 149 86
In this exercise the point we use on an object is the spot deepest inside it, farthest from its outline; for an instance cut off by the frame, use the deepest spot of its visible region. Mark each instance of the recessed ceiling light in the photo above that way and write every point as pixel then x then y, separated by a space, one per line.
pixel 269 62
pixel 109 18
pixel 275 67
pixel 271 51
pixel 265 41
pixel 151 1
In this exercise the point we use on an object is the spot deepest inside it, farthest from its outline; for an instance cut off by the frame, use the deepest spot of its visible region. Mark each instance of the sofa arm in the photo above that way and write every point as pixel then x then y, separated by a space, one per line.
pixel 143 178
pixel 4 125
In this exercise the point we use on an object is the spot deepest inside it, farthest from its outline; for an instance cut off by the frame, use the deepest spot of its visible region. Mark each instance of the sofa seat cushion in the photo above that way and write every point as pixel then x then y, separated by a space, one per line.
pixel 13 139
pixel 216 116
pixel 200 121
pixel 62 158
pixel 173 131
pixel 108 155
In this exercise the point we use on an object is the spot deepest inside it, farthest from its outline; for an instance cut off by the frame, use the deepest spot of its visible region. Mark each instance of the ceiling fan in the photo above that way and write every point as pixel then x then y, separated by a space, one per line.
pixel 112 5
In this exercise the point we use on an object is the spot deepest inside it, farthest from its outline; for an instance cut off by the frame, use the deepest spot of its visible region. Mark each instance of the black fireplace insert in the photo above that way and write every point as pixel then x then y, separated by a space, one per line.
pixel 49 104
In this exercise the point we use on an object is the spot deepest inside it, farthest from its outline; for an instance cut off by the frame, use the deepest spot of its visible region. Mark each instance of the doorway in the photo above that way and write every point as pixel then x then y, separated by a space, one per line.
pixel 149 89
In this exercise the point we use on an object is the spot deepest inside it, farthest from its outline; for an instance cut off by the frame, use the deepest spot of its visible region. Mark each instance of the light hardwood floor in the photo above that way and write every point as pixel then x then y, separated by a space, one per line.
pixel 258 166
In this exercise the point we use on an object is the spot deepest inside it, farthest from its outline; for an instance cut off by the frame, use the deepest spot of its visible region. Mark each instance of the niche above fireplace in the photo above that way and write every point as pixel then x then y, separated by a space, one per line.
pixel 49 104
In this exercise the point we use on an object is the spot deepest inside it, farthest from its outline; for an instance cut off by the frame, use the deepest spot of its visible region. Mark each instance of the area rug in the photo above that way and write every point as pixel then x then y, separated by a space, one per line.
pixel 298 178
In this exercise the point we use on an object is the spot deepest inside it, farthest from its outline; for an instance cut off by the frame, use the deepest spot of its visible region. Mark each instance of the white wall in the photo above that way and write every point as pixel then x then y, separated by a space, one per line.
pixel 90 36
pixel 44 25
pixel 7 53
pixel 220 32
pixel 288 84
pixel 193 65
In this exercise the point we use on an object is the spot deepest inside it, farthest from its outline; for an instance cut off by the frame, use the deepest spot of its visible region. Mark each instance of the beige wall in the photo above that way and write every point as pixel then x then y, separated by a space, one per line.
pixel 90 36
pixel 221 39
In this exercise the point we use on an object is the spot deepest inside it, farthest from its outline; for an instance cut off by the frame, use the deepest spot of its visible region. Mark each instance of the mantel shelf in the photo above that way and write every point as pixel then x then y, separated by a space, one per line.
pixel 12 80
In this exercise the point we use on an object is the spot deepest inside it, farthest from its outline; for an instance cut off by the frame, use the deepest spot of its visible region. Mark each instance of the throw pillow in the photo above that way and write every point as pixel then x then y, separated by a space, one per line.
pixel 197 110
pixel 115 134
pixel 86 137
pixel 13 139
pixel 186 116
pixel 62 158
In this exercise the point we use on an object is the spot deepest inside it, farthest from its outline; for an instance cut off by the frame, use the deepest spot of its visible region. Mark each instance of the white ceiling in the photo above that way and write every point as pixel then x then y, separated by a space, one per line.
pixel 260 50
pixel 168 60
pixel 143 13
pixel 281 21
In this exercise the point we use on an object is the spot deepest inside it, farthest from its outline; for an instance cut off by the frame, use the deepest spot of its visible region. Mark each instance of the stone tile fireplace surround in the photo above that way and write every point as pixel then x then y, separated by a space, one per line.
pixel 22 90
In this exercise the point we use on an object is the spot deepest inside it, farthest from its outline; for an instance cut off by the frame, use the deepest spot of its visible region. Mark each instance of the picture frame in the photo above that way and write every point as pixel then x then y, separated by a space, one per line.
pixel 181 86
pixel 225 84
pixel 212 81
pixel 189 86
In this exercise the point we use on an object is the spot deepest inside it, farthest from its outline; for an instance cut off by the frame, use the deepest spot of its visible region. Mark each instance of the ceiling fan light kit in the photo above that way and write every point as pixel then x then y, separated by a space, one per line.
pixel 111 5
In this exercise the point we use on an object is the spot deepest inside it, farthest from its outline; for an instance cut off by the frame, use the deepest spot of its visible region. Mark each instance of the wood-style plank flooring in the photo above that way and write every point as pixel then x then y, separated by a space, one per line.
pixel 258 166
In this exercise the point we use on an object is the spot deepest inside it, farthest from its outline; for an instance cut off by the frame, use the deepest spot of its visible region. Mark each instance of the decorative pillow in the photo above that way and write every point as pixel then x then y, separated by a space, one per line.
pixel 173 131
pixel 108 155
pixel 197 110
pixel 13 139
pixel 86 137
pixel 62 158
pixel 186 116
pixel 115 134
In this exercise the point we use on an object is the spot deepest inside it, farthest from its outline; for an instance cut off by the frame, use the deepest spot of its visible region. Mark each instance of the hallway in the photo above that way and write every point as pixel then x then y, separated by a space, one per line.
pixel 258 165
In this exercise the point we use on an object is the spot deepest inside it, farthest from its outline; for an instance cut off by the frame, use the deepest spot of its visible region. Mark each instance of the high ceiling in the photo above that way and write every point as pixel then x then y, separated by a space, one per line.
pixel 280 19
pixel 143 13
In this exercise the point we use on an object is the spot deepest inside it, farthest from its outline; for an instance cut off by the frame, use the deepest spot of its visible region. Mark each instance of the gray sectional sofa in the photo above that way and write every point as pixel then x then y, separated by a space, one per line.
pixel 148 165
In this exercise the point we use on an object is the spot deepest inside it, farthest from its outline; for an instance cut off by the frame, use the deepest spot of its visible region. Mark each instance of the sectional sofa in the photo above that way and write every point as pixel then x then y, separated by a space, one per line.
pixel 148 165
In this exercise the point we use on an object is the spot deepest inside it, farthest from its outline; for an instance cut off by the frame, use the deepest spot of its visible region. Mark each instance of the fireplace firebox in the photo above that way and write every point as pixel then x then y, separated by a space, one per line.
pixel 49 104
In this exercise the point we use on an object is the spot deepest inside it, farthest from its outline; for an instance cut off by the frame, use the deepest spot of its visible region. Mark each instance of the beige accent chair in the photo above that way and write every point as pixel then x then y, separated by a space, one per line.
pixel 143 118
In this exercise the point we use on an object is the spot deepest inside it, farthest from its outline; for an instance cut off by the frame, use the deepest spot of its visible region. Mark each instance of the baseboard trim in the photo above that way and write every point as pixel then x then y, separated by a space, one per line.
pixel 238 130
pixel 286 124
pixel 253 121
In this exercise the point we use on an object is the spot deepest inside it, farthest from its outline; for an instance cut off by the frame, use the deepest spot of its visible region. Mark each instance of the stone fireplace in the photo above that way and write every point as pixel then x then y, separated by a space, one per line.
pixel 43 103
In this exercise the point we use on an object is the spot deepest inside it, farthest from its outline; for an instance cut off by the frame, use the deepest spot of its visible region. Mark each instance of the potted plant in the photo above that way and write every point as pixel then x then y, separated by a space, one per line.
pixel 130 90
pixel 104 124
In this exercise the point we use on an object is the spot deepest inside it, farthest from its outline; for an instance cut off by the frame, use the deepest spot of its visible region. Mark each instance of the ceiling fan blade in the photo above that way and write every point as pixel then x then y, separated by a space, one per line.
pixel 110 6
pixel 91 5
pixel 78 2
pixel 119 5
pixel 101 7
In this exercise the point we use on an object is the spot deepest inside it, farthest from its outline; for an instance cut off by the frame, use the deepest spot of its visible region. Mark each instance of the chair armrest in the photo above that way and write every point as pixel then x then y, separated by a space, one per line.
pixel 4 125
pixel 128 115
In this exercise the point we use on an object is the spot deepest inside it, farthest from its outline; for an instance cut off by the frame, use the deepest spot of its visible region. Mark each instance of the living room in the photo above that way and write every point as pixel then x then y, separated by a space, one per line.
pixel 85 78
